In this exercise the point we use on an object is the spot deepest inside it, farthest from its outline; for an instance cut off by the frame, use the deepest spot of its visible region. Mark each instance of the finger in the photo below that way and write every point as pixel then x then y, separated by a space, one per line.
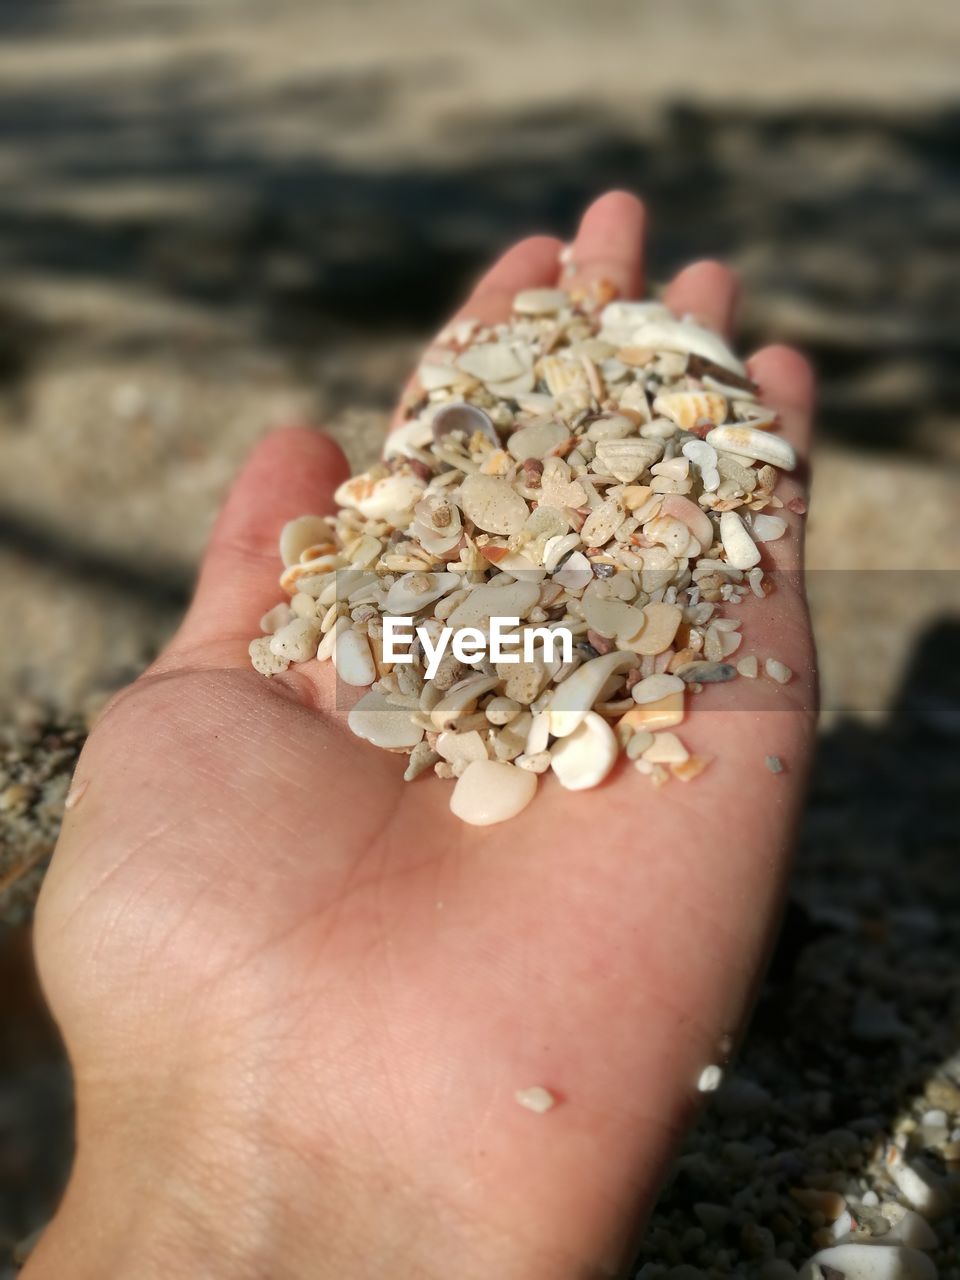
pixel 292 472
pixel 708 292
pixel 527 265
pixel 609 245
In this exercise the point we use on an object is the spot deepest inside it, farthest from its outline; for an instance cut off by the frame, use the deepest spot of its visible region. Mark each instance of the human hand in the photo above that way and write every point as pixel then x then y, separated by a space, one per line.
pixel 299 996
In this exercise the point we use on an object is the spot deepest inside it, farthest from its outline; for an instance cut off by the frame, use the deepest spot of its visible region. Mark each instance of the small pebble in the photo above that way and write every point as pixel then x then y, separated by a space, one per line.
pixel 489 791
pixel 869 1262
pixel 536 1098
pixel 710 1079
pixel 778 671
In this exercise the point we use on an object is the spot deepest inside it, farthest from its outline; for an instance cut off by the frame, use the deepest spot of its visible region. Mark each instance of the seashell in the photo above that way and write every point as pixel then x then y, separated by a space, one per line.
pixel 437 377
pixel 490 791
pixel 574 697
pixel 556 548
pixel 669 532
pixel 461 749
pixel 662 621
pixel 557 488
pixel 501 597
pixel 620 320
pixel 540 302
pixel 534 401
pixel 694 517
pixel 562 375
pixel 748 442
pixel 514 387
pixel 495 361
pixel 305 531
pixel 611 426
pixel 296 641
pixel 461 699
pixel 276 618
pixel 659 567
pixel 739 548
pixel 352 658
pixel 386 726
pixel 363 553
pixel 389 498
pixel 768 528
pixel 405 440
pixel 585 757
pixel 656 687
pixel 664 713
pixel 602 523
pixel 493 504
pixel 612 619
pixel 464 419
pixel 576 573
pixel 666 748
pixel 518 566
pixel 625 460
pixel 704 458
pixel 264 659
pixel 686 408
pixel 665 333
pixel 869 1260
pixel 536 440
pixel 634 399
pixel 411 592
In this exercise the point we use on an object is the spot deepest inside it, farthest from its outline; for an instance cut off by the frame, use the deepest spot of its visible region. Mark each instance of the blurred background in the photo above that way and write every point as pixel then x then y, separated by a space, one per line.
pixel 222 215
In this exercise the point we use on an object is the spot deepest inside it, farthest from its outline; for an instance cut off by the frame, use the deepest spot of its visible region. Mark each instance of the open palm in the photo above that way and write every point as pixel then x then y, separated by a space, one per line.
pixel 250 910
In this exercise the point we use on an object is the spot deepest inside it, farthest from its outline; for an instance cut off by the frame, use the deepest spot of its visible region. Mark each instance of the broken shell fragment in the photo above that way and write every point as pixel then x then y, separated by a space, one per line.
pixel 493 504
pixel 760 446
pixel 576 695
pixel 739 548
pixel 465 420
pixel 386 726
pixel 352 658
pixel 583 758
pixel 540 302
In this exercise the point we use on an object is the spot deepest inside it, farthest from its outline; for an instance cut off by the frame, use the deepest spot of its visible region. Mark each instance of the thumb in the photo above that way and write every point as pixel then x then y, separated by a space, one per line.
pixel 292 472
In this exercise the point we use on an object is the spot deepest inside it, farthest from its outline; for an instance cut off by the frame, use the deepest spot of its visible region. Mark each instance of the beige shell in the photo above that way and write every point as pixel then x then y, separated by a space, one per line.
pixel 493 504
pixel 625 460
pixel 686 408
pixel 561 375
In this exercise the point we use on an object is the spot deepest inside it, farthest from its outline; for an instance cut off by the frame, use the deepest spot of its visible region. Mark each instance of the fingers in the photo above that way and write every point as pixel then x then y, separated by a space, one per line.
pixel 708 292
pixel 291 473
pixel 609 245
pixel 529 264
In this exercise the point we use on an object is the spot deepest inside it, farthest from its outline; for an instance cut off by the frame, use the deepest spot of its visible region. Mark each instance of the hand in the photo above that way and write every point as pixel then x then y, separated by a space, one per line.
pixel 299 996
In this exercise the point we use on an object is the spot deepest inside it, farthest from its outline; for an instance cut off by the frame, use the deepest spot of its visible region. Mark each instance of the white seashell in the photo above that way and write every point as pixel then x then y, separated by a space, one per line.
pixel 873 1261
pixel 612 619
pixel 495 361
pixel 385 498
pixel 768 528
pixel 540 302
pixel 405 440
pixel 625 460
pixel 464 419
pixel 518 566
pixel 489 791
pixel 276 618
pixel 461 748
pixel 297 640
pixel 493 504
pixel 558 488
pixel 554 549
pixel 264 659
pixel 534 401
pixel 694 517
pixel 686 408
pixel 575 696
pixel 386 726
pixel 659 629
pixel 602 523
pixel 620 320
pixel 583 759
pixel 538 735
pixel 325 648
pixel 305 531
pixel 665 333
pixel 704 458
pixel 739 548
pixel 501 597
pixel 908 1227
pixel 412 591
pixel 655 687
pixel 353 659
pixel 514 387
pixel 562 375
pixel 666 748
pixel 748 442
pixel 670 533
pixel 576 573
pixel 436 377
pixel 536 440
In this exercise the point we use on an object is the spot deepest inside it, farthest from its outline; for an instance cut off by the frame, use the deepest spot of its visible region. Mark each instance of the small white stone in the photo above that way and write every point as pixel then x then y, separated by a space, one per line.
pixel 536 1098
pixel 276 618
pixel 501 710
pixel 777 671
pixel 539 302
pixel 710 1079
pixel 297 640
pixel 759 446
pixel 920 1186
pixel 655 687
pixel 353 659
pixel 489 791
pixel 748 667
pixel 576 695
pixel 264 659
pixel 768 528
pixel 870 1262
pixel 739 548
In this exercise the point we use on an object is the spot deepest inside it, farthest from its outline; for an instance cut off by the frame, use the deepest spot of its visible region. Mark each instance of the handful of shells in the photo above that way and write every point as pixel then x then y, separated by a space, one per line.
pixel 603 470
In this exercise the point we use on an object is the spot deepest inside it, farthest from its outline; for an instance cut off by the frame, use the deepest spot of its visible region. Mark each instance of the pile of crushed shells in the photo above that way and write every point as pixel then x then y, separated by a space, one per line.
pixel 601 466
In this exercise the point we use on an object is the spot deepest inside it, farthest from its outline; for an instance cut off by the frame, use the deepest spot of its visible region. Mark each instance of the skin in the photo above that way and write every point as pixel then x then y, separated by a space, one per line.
pixel 299 996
